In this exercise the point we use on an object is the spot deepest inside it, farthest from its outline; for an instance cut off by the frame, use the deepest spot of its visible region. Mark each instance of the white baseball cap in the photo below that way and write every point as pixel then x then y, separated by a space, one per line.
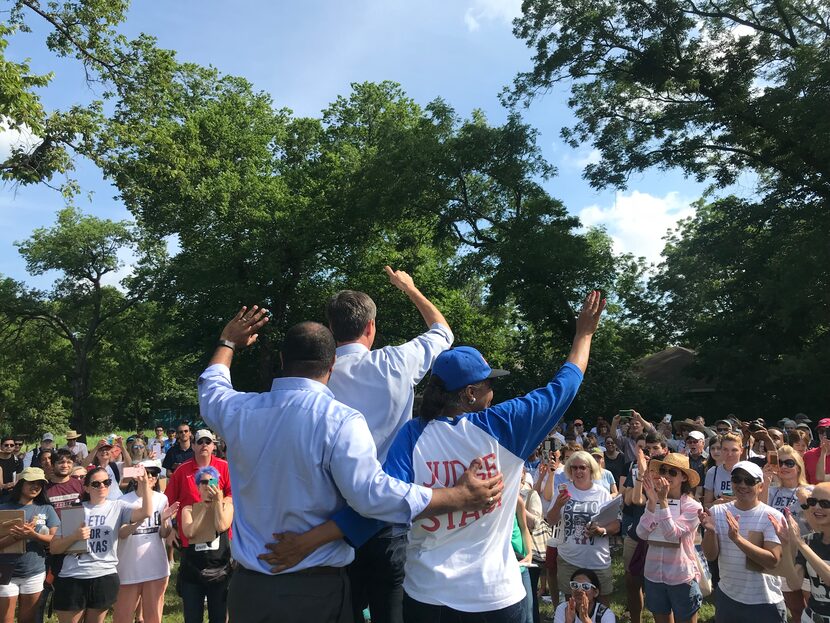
pixel 696 434
pixel 749 467
pixel 204 433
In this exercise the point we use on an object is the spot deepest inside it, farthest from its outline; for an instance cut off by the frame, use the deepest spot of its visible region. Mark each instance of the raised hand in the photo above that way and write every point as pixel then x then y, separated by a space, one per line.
pixel 170 511
pixel 706 520
pixel 661 488
pixel 588 319
pixel 581 604
pixel 400 279
pixel 570 611
pixel 242 328
pixel 734 523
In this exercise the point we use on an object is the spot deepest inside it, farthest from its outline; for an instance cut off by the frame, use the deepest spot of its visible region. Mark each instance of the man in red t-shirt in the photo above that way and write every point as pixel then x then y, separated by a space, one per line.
pixel 811 457
pixel 183 489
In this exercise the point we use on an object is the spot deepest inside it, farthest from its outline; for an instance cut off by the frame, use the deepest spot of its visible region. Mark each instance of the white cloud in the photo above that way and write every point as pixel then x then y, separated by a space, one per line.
pixel 491 11
pixel 637 222
pixel 581 158
pixel 10 138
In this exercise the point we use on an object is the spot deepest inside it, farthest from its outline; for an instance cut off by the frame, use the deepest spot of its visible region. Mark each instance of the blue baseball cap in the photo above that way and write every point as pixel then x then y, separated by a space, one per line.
pixel 462 366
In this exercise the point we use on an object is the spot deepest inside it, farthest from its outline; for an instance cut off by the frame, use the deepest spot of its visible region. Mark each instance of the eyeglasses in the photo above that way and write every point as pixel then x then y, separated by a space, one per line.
pixel 723 431
pixel 669 471
pixel 137 447
pixel 78 476
pixel 825 504
pixel 581 586
pixel 748 480
pixel 579 467
pixel 788 463
pixel 100 484
pixel 203 441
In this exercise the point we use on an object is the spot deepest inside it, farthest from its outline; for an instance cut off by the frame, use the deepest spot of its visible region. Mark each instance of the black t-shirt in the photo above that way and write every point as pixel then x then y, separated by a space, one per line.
pixel 616 466
pixel 176 455
pixel 10 466
pixel 819 592
pixel 631 512
pixel 199 556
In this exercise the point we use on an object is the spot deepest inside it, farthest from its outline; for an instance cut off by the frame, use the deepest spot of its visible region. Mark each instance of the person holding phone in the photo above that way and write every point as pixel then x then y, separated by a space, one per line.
pixel 87 585
pixel 143 570
pixel 205 571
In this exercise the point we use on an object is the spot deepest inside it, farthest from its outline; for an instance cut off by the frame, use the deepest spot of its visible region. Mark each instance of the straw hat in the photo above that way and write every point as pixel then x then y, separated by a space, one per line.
pixel 72 435
pixel 680 461
pixel 688 424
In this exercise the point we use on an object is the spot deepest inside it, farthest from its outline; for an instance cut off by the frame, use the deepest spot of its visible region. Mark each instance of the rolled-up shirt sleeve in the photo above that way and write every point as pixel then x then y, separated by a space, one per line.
pixel 420 353
pixel 365 486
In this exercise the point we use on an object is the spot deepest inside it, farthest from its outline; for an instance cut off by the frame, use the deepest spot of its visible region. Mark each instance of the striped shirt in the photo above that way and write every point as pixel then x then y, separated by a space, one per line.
pixel 671 565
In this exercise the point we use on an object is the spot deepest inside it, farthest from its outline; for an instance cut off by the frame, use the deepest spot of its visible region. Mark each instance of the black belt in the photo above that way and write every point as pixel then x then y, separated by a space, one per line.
pixel 816 617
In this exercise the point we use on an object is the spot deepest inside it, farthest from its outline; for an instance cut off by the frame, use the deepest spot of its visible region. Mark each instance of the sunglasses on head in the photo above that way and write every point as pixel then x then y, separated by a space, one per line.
pixel 669 471
pixel 203 441
pixel 100 484
pixel 825 504
pixel 581 586
pixel 787 463
pixel 748 480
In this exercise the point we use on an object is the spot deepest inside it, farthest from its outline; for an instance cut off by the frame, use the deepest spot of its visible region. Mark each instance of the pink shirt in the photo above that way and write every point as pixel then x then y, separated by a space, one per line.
pixel 671 565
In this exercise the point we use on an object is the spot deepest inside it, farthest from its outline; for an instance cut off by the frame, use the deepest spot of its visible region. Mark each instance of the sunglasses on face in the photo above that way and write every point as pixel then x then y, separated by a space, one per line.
pixel 825 504
pixel 204 483
pixel 749 481
pixel 578 467
pixel 669 471
pixel 137 447
pixel 723 431
pixel 203 441
pixel 182 432
pixel 100 484
pixel 787 463
pixel 581 586
pixel 8 445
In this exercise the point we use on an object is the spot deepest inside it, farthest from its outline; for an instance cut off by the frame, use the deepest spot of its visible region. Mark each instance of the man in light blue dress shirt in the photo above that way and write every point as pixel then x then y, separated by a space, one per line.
pixel 296 456
pixel 381 385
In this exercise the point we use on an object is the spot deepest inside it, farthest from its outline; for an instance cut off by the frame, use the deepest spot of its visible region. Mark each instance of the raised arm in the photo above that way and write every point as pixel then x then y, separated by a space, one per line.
pixel 586 325
pixel 405 284
pixel 146 509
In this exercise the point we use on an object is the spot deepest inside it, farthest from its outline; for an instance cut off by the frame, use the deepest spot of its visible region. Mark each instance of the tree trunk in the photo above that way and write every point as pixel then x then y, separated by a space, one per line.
pixel 80 392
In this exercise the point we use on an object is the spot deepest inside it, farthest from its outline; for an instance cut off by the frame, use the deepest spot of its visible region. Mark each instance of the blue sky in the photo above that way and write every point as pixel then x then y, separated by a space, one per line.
pixel 306 53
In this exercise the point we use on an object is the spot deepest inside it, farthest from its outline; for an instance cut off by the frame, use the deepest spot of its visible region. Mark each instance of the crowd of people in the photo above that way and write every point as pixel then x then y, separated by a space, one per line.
pixel 351 498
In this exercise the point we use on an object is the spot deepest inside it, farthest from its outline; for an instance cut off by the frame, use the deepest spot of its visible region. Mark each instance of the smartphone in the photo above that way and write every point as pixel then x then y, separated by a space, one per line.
pixel 214 482
pixel 547 445
pixel 754 427
pixel 563 487
pixel 130 472
pixel 625 412
pixel 772 458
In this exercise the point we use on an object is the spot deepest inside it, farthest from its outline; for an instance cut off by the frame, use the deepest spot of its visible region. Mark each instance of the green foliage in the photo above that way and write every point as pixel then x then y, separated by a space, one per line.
pixel 714 88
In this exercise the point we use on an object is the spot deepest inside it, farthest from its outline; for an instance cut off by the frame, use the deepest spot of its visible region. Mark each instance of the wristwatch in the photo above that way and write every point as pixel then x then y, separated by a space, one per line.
pixel 227 344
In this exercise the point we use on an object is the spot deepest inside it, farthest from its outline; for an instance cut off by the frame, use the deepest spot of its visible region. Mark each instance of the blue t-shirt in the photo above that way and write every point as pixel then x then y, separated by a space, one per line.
pixel 34 560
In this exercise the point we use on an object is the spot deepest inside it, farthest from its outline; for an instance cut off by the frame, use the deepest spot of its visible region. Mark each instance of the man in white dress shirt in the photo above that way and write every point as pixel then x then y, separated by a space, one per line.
pixel 296 456
pixel 381 385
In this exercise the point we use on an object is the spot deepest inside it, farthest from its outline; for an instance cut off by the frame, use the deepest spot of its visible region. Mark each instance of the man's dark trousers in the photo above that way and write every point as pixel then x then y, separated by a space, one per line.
pixel 376 576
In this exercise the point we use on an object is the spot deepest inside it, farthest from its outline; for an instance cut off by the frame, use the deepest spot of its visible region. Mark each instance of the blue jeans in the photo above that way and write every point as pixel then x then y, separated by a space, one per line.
pixel 528 600
pixel 681 599
pixel 417 612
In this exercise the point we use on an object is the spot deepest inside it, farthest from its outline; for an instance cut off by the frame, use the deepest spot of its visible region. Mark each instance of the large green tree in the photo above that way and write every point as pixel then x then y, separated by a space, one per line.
pixel 81 308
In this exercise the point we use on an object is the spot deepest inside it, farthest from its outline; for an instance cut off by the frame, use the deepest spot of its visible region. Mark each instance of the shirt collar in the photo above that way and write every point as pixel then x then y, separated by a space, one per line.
pixel 351 348
pixel 299 383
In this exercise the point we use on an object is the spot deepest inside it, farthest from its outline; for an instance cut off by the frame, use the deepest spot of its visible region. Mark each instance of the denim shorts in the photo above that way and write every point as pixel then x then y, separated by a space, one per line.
pixel 681 599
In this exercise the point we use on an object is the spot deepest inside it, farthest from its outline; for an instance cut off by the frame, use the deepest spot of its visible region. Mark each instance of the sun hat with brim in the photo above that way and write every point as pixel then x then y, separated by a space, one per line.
pixel 729 422
pixel 681 462
pixel 72 435
pixel 687 423
pixel 462 366
pixel 151 464
pixel 32 474
pixel 802 417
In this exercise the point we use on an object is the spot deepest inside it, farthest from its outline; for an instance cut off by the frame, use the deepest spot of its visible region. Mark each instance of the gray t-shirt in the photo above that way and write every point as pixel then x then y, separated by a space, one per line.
pixel 101 558
pixel 34 560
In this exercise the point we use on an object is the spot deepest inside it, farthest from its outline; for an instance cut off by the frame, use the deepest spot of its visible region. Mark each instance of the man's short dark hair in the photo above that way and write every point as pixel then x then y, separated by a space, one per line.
pixel 308 350
pixel 63 453
pixel 348 312
pixel 656 438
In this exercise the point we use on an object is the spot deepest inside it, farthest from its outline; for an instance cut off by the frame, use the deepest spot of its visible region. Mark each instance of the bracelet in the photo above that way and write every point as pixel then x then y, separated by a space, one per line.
pixel 227 344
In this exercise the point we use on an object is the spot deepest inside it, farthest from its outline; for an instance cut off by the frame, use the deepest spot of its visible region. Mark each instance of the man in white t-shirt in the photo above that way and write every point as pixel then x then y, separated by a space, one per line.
pixel 742 537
